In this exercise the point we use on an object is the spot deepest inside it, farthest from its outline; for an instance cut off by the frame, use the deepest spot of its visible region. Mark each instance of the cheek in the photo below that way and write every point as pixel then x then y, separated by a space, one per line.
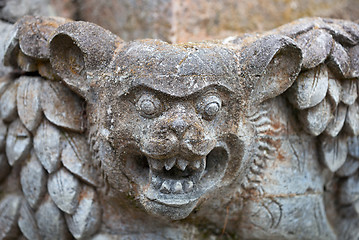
pixel 221 124
pixel 123 123
pixel 128 128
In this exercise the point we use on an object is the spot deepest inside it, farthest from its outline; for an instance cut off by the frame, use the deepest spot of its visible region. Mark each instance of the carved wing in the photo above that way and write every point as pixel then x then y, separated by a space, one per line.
pixel 42 127
pixel 325 96
pixel 42 140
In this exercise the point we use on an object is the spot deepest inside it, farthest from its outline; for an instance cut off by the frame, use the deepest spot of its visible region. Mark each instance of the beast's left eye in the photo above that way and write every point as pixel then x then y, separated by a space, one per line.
pixel 149 106
pixel 212 108
pixel 209 106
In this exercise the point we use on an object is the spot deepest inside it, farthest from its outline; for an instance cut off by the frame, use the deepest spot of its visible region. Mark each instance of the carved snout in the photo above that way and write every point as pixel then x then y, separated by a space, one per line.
pixel 178 134
pixel 197 143
pixel 179 126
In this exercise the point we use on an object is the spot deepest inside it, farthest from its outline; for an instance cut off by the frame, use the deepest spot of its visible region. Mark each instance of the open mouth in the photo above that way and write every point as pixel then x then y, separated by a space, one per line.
pixel 178 180
pixel 176 175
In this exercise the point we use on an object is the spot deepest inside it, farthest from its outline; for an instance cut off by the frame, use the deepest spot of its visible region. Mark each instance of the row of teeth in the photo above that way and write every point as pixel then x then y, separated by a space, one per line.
pixel 180 164
pixel 175 186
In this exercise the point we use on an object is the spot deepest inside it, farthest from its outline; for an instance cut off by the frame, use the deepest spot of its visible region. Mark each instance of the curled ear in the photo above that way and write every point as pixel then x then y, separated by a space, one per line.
pixel 80 52
pixel 271 64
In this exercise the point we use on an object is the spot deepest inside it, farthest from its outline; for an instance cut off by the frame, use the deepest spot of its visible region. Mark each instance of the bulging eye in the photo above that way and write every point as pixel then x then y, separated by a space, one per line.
pixel 209 106
pixel 149 106
pixel 212 108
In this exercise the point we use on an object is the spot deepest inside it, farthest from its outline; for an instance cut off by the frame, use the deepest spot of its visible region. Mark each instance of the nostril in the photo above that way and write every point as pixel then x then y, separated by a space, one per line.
pixel 179 126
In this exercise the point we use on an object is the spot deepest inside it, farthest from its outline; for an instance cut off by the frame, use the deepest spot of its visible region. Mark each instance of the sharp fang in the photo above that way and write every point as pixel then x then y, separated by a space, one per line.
pixel 170 163
pixel 182 164
pixel 156 164
pixel 196 164
pixel 165 188
pixel 177 188
pixel 156 181
pixel 189 185
pixel 204 167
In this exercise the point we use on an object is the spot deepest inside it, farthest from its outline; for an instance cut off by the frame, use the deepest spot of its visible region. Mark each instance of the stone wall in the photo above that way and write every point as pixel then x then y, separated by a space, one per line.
pixel 182 20
pixel 11 10
pixel 185 20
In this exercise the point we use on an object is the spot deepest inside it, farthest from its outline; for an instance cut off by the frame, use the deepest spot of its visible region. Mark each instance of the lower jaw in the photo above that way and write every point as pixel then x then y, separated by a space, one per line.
pixel 172 206
pixel 171 211
pixel 179 206
pixel 172 200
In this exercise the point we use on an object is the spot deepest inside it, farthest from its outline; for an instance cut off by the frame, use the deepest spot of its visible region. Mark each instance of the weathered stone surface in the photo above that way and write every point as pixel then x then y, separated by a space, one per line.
pixel 5 29
pixel 354 63
pixel 4 83
pixel 47 146
pixel 266 211
pixel 334 151
pixel 8 103
pixel 26 63
pixel 356 206
pixel 46 71
pixel 349 191
pixel 316 46
pixel 35 43
pixel 310 88
pixel 50 221
pixel 28 102
pixel 170 19
pixel 334 91
pixel 87 218
pixel 242 136
pixel 76 157
pixel 351 121
pixel 353 143
pixel 11 46
pixel 64 189
pixel 348 229
pixel 337 123
pixel 61 106
pixel 9 213
pixel 12 10
pixel 350 166
pixel 33 180
pixel 339 60
pixel 317 118
pixel 27 222
pixel 183 21
pixel 4 167
pixel 349 91
pixel 3 132
pixel 18 142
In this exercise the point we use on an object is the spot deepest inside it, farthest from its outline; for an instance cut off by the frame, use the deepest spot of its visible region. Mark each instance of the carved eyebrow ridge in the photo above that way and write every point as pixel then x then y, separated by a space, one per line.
pixel 199 92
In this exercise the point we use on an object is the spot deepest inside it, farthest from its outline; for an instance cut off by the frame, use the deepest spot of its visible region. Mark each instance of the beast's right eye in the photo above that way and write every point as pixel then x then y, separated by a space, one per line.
pixel 209 106
pixel 149 106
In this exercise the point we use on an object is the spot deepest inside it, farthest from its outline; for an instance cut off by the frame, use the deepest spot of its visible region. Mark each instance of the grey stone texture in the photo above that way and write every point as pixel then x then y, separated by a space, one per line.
pixel 251 137
pixel 181 21
pixel 13 10
pixel 197 20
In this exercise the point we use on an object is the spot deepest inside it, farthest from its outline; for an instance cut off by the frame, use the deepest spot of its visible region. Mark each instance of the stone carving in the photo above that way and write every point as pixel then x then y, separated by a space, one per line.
pixel 251 137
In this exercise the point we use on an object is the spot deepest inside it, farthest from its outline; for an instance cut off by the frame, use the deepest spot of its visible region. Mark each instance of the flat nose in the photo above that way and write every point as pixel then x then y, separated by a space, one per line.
pixel 179 126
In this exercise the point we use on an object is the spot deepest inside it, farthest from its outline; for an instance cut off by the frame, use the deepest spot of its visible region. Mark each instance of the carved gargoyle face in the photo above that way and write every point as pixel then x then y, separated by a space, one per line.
pixel 176 148
pixel 171 128
pixel 168 122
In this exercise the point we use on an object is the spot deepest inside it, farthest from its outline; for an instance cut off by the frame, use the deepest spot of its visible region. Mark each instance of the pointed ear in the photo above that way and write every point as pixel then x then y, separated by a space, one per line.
pixel 80 53
pixel 271 64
